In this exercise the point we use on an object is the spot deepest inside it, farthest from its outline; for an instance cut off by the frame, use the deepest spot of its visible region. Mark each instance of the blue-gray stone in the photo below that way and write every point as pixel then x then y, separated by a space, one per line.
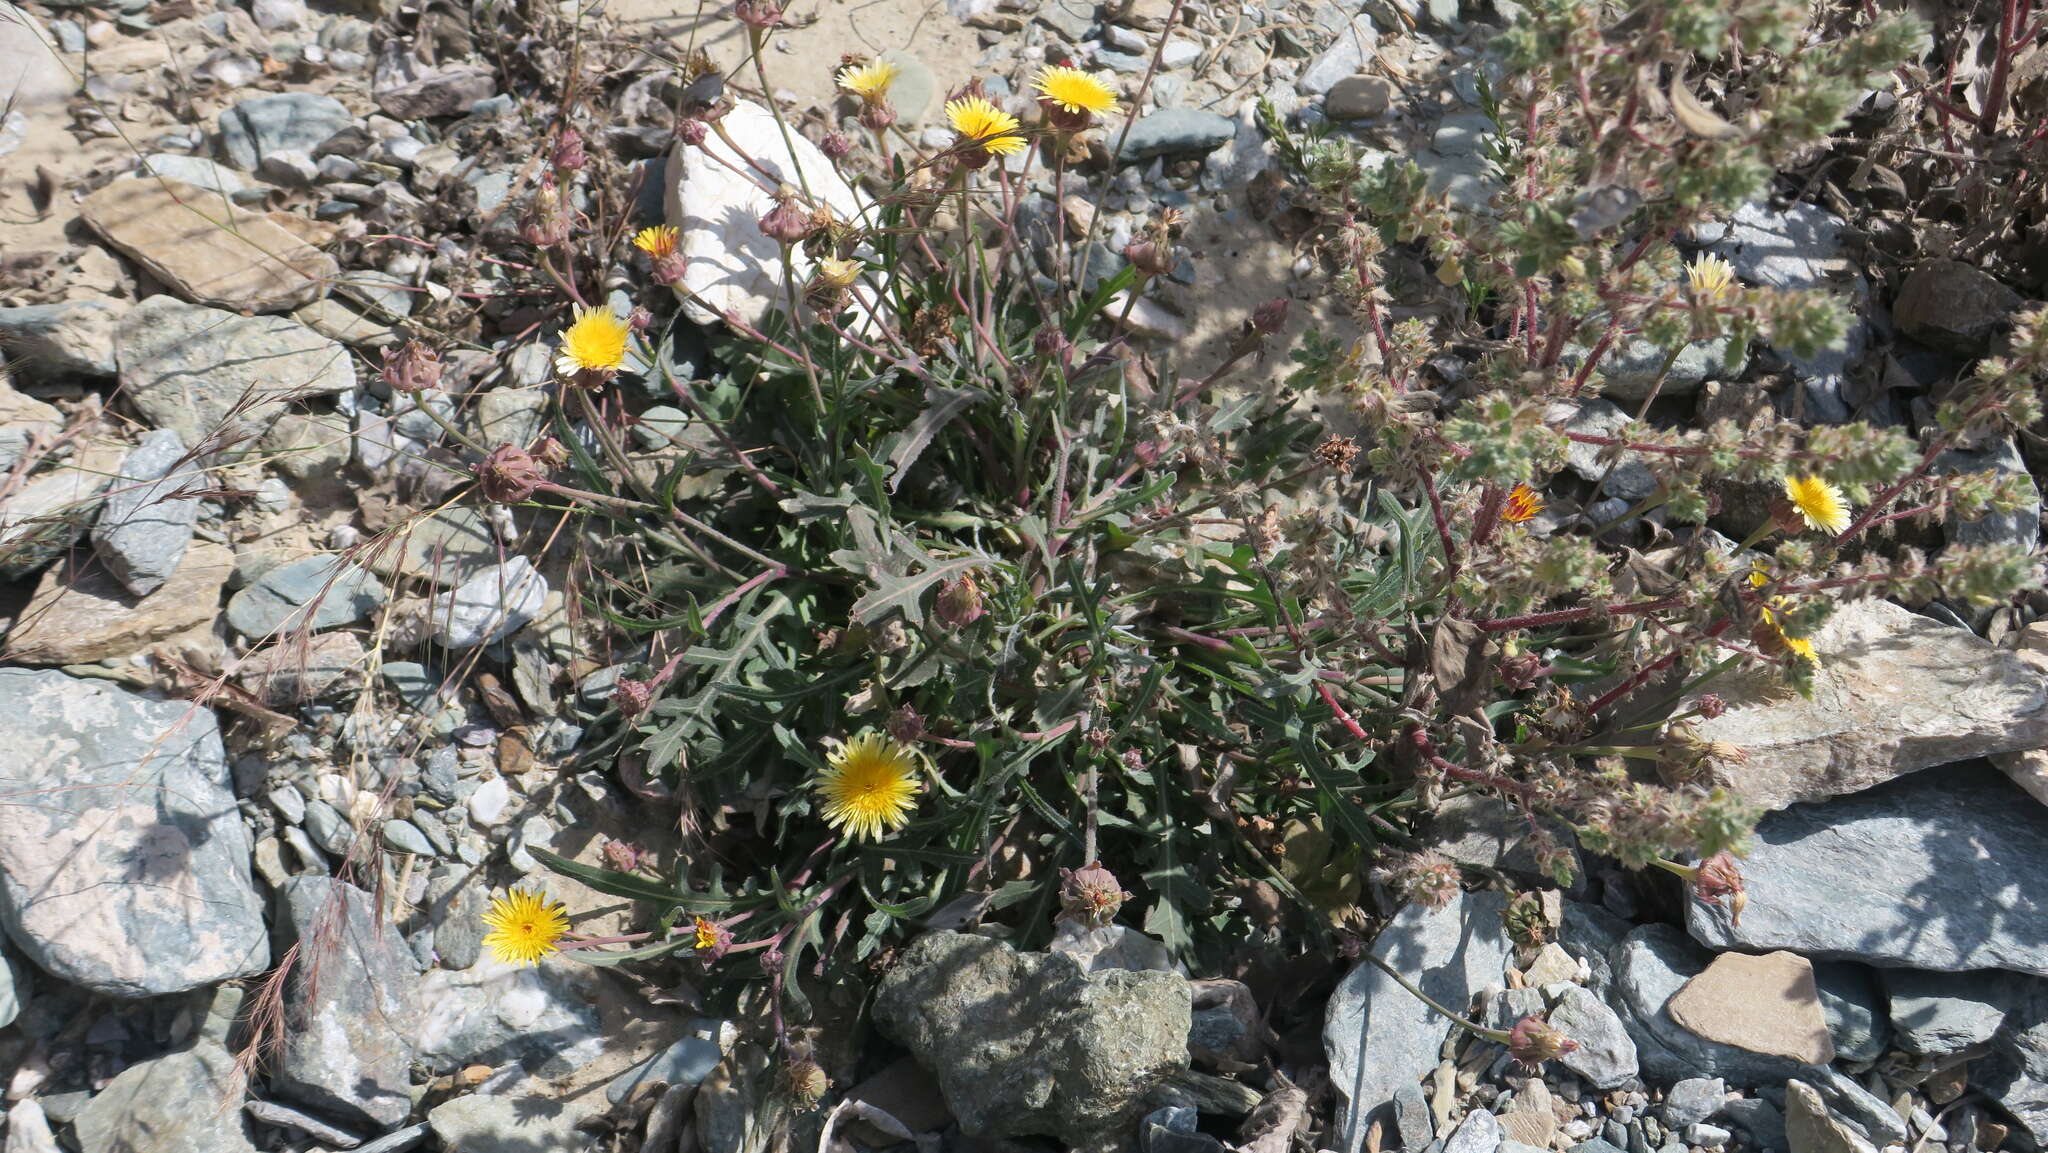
pixel 405 837
pixel 144 529
pixel 1759 1118
pixel 1172 131
pixel 200 172
pixel 1693 1100
pixel 71 337
pixel 2022 528
pixel 348 1047
pixel 687 1062
pixel 263 124
pixel 1854 1008
pixel 1939 1014
pixel 315 592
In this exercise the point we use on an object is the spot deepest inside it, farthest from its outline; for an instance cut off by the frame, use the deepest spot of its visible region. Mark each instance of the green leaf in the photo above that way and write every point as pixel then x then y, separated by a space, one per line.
pixel 941 405
pixel 905 594
pixel 627 885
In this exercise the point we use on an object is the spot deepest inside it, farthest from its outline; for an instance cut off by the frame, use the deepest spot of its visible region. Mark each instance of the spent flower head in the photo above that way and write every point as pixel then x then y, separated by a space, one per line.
pixel 869 787
pixel 1091 895
pixel 509 474
pixel 1534 1040
pixel 525 926
pixel 411 367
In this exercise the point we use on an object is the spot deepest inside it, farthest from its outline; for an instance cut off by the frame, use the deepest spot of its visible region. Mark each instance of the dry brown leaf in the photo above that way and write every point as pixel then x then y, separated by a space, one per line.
pixel 1696 118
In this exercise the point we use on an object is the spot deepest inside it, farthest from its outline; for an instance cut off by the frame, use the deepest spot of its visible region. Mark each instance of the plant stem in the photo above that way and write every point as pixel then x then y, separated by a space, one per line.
pixel 1496 1035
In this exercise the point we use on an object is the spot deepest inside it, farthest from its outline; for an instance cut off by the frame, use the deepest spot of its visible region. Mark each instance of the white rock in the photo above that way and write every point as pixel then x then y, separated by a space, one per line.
pixel 494 603
pixel 488 803
pixel 32 75
pixel 732 266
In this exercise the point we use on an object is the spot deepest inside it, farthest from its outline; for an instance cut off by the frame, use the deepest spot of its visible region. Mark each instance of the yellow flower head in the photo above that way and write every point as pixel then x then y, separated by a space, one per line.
pixel 1075 91
pixel 869 81
pixel 836 273
pixel 1819 502
pixel 596 342
pixel 1774 634
pixel 1522 504
pixel 524 927
pixel 704 934
pixel 1712 278
pixel 982 125
pixel 871 786
pixel 657 241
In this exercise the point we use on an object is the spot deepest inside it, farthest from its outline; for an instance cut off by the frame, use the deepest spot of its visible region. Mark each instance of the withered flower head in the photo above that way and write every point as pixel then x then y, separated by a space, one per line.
pixel 625 856
pixel 1427 878
pixel 1337 452
pixel 546 223
pixel 1269 318
pixel 807 1082
pixel 550 453
pixel 1716 877
pixel 1091 895
pixel 1526 925
pixel 411 367
pixel 691 131
pixel 509 474
pixel 759 15
pixel 787 222
pixel 836 145
pixel 1534 1040
pixel 1151 256
pixel 1710 705
pixel 568 155
pixel 632 697
pixel 710 939
pixel 905 725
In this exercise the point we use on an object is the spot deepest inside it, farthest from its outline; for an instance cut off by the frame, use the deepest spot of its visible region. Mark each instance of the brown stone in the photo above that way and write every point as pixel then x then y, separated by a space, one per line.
pixel 206 249
pixel 1529 1126
pixel 1765 1004
pixel 80 613
pixel 1810 1128
pixel 295 671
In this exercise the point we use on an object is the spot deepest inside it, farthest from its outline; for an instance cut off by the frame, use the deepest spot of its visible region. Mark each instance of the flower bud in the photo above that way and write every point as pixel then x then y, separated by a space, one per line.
pixel 1270 317
pixel 691 131
pixel 632 697
pixel 759 15
pixel 1710 705
pixel 877 115
pixel 835 145
pixel 509 474
pixel 546 223
pixel 550 453
pixel 668 268
pixel 1718 877
pixel 1091 895
pixel 959 603
pixel 1150 257
pixel 905 725
pixel 787 222
pixel 1533 1041
pixel 568 155
pixel 806 1081
pixel 625 856
pixel 411 367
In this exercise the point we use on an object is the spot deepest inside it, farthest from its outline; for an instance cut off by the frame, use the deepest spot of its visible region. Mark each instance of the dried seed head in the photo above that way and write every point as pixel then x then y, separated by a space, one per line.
pixel 836 145
pixel 1270 317
pixel 1151 257
pixel 787 222
pixel 1716 877
pixel 632 697
pixel 1338 453
pixel 691 131
pixel 959 603
pixel 509 474
pixel 905 725
pixel 568 154
pixel 546 223
pixel 1091 895
pixel 1710 705
pixel 550 453
pixel 760 15
pixel 1427 878
pixel 807 1082
pixel 411 367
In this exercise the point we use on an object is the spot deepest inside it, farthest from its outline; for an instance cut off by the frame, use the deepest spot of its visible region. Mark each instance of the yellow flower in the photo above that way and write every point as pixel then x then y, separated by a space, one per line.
pixel 595 342
pixel 869 81
pixel 1075 91
pixel 524 927
pixel 871 786
pixel 1522 504
pixel 984 126
pixel 1774 634
pixel 1819 502
pixel 705 934
pixel 657 241
pixel 836 273
pixel 1711 278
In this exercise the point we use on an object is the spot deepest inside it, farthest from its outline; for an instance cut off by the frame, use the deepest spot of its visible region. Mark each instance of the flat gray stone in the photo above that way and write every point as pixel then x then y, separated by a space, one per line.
pixel 260 125
pixel 285 1117
pixel 493 1012
pixel 529 1115
pixel 69 338
pixel 687 1062
pixel 2020 529
pixel 1918 873
pixel 493 604
pixel 315 592
pixel 352 1006
pixel 1479 1132
pixel 129 876
pixel 1174 131
pixel 199 172
pixel 1854 1006
pixel 198 370
pixel 1939 1014
pixel 28 1128
pixel 145 527
pixel 187 1101
pixel 1896 692
pixel 1345 55
pixel 2016 1073
pixel 1378 1036
pixel 1606 1056
pixel 1650 966
pixel 1694 1100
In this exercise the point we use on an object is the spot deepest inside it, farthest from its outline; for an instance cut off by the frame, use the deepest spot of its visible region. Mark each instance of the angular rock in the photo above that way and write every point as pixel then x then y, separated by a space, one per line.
pixel 352 1006
pixel 188 1100
pixel 80 614
pixel 686 1062
pixel 1358 98
pixel 71 337
pixel 1800 248
pixel 285 1117
pixel 1173 131
pixel 28 1128
pixel 1811 1128
pixel 1378 1036
pixel 494 1012
pixel 129 876
pixel 199 172
pixel 1896 692
pixel 308 447
pixel 732 266
pixel 1479 1132
pixel 1630 477
pixel 208 250
pixel 197 370
pixel 143 530
pixel 313 593
pixel 413 93
pixel 1345 56
pixel 1855 1009
pixel 1606 1056
pixel 1486 833
pixel 1939 1014
pixel 489 606
pixel 260 125
pixel 1694 1100
pixel 1765 1004
pixel 48 514
pixel 297 671
pixel 447 547
pixel 1953 306
pixel 1760 1118
pixel 33 77
pixel 1025 1043
pixel 1915 873
pixel 2022 528
pixel 1650 966
pixel 528 1114
pixel 23 419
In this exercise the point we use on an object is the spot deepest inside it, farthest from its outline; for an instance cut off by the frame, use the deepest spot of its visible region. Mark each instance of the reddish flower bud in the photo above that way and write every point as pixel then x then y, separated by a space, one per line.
pixel 905 725
pixel 1533 1041
pixel 632 697
pixel 669 267
pixel 509 474
pixel 787 222
pixel 1091 895
pixel 640 320
pixel 546 223
pixel 1270 317
pixel 1710 705
pixel 1716 877
pixel 550 453
pixel 1150 257
pixel 411 367
pixel 959 603
pixel 836 145
pixel 568 155
pixel 877 115
pixel 691 132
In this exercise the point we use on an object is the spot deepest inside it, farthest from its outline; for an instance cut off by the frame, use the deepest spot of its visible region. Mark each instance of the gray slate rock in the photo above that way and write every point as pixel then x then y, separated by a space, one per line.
pixel 13 987
pixel 1345 56
pixel 687 1062
pixel 352 1017
pixel 2016 1073
pixel 1026 1043
pixel 144 528
pixel 200 172
pixel 493 1012
pixel 1479 1132
pixel 397 1141
pixel 173 1102
pixel 285 1117
pixel 1855 1009
pixel 1798 248
pixel 1628 370
pixel 1378 1036
pixel 1650 966
pixel 1760 1118
pixel 1412 1118
pixel 2020 529
pixel 129 876
pixel 1915 873
pixel 1172 131
pixel 193 369
pixel 1938 1014
pixel 1487 833
pixel 72 337
pixel 493 604
pixel 315 592
pixel 528 1116
pixel 1694 1100
pixel 1953 306
pixel 1630 478
pixel 1606 1056
pixel 28 1129
pixel 260 125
